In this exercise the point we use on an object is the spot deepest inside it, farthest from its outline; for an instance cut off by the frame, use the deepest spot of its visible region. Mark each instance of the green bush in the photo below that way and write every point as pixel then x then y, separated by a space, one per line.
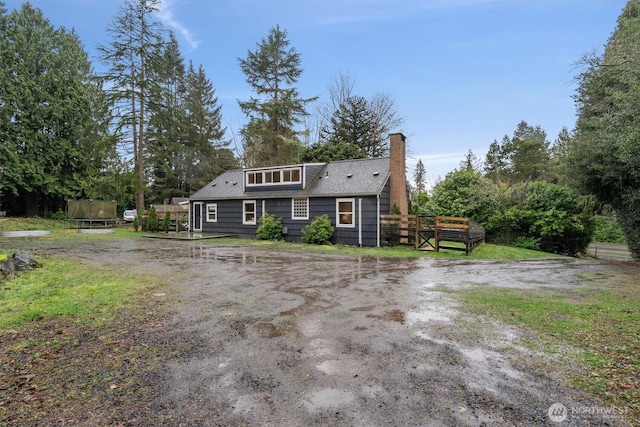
pixel 270 228
pixel 319 231
pixel 608 230
pixel 527 243
pixel 59 216
pixel 166 223
pixel 136 223
pixel 152 221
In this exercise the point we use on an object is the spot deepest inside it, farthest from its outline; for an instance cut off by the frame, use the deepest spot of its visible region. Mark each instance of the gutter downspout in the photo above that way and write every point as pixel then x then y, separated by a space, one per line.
pixel 378 221
pixel 360 222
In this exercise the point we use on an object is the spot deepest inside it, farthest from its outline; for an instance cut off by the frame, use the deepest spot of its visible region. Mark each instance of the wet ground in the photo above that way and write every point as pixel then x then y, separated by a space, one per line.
pixel 294 339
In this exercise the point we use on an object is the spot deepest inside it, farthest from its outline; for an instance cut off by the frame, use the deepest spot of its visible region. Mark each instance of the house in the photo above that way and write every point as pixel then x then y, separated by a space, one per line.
pixel 353 193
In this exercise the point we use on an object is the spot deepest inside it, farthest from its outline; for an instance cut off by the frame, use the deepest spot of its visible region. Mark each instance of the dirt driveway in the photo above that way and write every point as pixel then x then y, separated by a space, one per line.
pixel 293 339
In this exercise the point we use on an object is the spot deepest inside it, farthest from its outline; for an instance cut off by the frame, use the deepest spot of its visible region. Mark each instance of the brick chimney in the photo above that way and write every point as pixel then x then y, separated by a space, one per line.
pixel 398 172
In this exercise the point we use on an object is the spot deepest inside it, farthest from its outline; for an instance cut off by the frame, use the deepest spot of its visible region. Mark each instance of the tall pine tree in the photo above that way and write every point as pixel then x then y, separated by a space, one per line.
pixel 270 137
pixel 132 56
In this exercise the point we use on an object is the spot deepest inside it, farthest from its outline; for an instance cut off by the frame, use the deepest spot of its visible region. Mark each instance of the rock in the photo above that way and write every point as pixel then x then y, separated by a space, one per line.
pixel 24 262
pixel 7 267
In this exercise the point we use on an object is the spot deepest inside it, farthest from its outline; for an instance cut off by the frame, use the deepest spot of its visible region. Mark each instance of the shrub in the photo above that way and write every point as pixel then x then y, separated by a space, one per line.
pixel 166 223
pixel 608 230
pixel 59 216
pixel 136 223
pixel 319 231
pixel 270 227
pixel 549 216
pixel 152 221
pixel 527 243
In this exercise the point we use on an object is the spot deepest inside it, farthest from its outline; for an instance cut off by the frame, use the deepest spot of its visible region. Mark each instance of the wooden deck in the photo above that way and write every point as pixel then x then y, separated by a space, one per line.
pixel 430 232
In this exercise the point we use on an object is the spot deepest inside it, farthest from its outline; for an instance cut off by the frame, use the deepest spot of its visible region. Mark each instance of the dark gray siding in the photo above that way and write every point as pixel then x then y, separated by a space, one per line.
pixel 385 199
pixel 230 218
pixel 277 187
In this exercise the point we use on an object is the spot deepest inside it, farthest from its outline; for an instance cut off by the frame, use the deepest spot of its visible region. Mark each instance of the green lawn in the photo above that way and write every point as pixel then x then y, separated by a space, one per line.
pixel 601 319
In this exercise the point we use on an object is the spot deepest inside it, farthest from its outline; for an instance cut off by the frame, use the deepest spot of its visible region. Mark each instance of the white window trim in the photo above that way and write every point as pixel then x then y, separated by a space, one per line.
pixel 280 171
pixel 293 208
pixel 244 212
pixel 353 213
pixel 215 212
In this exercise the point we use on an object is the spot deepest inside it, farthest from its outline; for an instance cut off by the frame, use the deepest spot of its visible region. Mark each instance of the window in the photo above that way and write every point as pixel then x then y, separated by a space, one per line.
pixel 274 177
pixel 345 212
pixel 300 208
pixel 249 212
pixel 212 212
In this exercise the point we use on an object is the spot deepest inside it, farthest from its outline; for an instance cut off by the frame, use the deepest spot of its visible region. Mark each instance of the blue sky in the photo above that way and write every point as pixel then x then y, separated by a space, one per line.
pixel 462 73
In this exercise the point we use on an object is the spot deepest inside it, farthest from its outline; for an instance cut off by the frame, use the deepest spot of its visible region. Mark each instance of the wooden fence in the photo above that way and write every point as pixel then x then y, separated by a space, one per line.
pixel 424 232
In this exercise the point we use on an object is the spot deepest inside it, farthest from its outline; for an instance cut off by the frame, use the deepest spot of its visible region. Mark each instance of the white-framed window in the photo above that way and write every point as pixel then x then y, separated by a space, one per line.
pixel 249 212
pixel 291 175
pixel 300 208
pixel 345 212
pixel 212 212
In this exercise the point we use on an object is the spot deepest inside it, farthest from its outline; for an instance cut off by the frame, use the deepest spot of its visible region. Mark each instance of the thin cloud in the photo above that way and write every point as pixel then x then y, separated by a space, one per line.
pixel 165 14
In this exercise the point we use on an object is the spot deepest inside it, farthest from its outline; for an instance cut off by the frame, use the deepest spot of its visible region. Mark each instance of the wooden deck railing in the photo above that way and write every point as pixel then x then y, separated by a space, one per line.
pixel 430 231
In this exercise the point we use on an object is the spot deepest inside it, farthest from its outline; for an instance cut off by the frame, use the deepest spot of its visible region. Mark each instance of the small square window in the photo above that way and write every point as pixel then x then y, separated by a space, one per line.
pixel 300 208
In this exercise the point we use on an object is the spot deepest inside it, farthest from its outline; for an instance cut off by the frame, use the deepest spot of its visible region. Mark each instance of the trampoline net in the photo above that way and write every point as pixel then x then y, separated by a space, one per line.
pixel 91 209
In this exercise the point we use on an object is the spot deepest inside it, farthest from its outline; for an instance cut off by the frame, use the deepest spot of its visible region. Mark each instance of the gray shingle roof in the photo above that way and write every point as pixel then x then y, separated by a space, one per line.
pixel 336 179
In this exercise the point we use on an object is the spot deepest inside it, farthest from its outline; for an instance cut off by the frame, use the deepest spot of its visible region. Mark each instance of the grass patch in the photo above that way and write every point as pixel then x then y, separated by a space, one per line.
pixel 67 288
pixel 601 319
pixel 27 224
pixel 485 251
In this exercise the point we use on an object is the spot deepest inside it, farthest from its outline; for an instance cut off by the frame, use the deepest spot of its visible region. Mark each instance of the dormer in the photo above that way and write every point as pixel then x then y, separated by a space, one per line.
pixel 290 177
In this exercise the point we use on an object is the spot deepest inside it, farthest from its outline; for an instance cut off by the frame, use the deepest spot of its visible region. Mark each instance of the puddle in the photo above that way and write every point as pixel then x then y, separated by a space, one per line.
pixel 430 314
pixel 268 330
pixel 328 398
pixel 319 348
pixel 330 367
pixel 391 316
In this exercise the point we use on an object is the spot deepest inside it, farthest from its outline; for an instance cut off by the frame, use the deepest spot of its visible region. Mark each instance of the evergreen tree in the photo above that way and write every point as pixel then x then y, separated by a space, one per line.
pixel 132 56
pixel 471 162
pixel 270 137
pixel 523 157
pixel 496 161
pixel 360 123
pixel 45 113
pixel 164 135
pixel 419 177
pixel 206 153
pixel 604 156
pixel 530 158
pixel 559 157
pixel 352 124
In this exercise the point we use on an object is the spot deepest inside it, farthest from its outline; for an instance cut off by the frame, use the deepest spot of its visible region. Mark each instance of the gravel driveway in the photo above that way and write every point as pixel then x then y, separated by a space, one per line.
pixel 295 339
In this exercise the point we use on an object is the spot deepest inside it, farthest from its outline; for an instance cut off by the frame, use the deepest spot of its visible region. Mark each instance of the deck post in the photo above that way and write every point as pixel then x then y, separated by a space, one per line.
pixel 436 237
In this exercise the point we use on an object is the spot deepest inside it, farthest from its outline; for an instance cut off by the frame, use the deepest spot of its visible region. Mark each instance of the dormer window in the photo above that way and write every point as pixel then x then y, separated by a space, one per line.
pixel 280 176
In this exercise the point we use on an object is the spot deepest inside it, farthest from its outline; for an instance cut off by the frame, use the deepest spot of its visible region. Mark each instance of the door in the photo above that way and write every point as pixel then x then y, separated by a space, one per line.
pixel 197 216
